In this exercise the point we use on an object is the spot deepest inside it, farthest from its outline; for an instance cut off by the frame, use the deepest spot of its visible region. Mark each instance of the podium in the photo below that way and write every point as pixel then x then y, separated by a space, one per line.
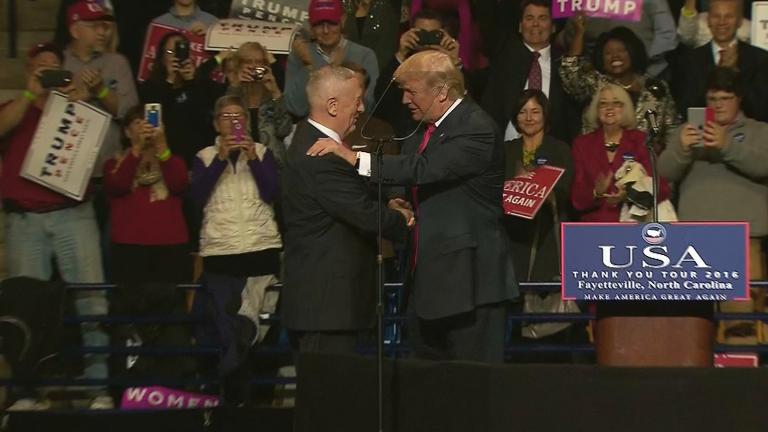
pixel 648 341
pixel 655 287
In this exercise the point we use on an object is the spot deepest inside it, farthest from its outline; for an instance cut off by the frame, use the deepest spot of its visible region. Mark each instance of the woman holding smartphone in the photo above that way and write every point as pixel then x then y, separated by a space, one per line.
pixel 234 182
pixel 145 184
pixel 171 83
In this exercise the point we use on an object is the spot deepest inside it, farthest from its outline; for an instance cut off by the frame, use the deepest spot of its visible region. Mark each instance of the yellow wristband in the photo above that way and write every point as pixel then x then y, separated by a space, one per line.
pixel 103 93
pixel 164 156
pixel 28 95
pixel 688 13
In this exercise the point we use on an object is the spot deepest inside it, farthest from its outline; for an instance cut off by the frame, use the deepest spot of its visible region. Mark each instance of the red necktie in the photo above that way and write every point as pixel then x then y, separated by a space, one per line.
pixel 415 197
pixel 534 74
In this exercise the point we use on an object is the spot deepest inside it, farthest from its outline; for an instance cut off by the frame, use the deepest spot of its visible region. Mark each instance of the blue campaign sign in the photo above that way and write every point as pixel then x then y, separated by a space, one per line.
pixel 677 261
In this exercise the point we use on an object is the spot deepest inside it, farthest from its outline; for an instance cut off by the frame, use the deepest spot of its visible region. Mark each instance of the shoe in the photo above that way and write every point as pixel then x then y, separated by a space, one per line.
pixel 30 404
pixel 102 403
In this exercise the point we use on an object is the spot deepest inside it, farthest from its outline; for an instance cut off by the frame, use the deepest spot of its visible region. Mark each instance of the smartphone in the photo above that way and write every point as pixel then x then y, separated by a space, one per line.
pixel 153 114
pixel 433 37
pixel 52 78
pixel 181 50
pixel 700 116
pixel 237 130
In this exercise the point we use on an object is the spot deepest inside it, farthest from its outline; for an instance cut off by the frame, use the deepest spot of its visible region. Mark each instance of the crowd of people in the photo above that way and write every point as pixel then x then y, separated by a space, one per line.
pixel 251 175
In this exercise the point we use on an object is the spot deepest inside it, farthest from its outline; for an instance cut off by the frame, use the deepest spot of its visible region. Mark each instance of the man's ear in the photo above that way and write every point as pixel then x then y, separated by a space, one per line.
pixel 332 106
pixel 74 33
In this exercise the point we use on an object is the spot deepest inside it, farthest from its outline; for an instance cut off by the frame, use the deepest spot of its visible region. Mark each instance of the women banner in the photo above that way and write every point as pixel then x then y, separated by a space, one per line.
pixel 65 146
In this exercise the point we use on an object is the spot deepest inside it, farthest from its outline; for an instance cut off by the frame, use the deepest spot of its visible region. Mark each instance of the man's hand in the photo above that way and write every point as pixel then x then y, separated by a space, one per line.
pixel 715 136
pixel 616 198
pixel 730 56
pixel 92 80
pixel 301 48
pixel 689 135
pixel 199 28
pixel 33 83
pixel 186 70
pixel 404 208
pixel 408 42
pixel 450 46
pixel 324 146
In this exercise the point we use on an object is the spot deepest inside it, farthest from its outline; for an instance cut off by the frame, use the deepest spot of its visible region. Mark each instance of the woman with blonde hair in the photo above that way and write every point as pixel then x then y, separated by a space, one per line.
pixel 599 154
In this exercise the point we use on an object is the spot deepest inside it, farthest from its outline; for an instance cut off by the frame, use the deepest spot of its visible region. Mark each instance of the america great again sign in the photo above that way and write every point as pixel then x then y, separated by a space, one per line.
pixel 655 262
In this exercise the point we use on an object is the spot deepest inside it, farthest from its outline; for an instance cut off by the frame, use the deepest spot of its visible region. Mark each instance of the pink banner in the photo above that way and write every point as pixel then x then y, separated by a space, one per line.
pixel 623 10
pixel 155 33
pixel 162 398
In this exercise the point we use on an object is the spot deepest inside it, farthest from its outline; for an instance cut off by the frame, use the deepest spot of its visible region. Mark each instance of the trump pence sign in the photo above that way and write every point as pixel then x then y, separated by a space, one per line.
pixel 656 262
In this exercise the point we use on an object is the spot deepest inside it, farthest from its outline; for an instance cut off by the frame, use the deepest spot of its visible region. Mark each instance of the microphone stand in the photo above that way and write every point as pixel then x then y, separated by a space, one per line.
pixel 653 133
pixel 380 287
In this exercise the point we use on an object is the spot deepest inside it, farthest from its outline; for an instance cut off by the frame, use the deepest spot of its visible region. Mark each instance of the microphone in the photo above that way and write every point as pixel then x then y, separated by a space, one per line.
pixel 653 122
pixel 655 87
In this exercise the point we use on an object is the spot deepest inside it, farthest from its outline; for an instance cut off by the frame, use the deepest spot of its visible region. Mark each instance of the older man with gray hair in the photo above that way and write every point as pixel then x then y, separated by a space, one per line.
pixel 330 240
pixel 461 270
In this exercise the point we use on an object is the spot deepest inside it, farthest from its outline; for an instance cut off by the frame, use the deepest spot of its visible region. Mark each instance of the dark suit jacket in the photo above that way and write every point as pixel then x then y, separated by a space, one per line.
pixel 330 240
pixel 690 79
pixel 463 256
pixel 523 232
pixel 508 74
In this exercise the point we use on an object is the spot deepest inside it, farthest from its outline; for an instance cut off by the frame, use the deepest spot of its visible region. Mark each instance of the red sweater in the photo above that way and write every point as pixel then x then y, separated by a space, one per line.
pixel 25 194
pixel 590 160
pixel 136 220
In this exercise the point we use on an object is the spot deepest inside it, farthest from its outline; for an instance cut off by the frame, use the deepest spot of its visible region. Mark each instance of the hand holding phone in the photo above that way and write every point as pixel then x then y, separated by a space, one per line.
pixel 237 130
pixel 153 114
pixel 55 78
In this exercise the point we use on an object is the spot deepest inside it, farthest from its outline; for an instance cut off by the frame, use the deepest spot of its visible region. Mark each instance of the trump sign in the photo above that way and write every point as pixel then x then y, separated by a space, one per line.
pixel 680 261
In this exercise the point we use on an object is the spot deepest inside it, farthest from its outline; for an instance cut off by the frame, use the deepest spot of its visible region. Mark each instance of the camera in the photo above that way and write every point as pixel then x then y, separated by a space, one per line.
pixel 181 50
pixel 53 78
pixel 433 37
pixel 258 73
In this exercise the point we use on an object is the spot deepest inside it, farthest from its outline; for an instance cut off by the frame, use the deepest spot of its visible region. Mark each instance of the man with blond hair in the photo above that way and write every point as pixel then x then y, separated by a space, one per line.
pixel 330 240
pixel 461 274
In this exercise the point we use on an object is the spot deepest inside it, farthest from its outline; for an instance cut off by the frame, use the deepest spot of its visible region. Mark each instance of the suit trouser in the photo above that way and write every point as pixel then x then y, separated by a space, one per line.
pixel 477 335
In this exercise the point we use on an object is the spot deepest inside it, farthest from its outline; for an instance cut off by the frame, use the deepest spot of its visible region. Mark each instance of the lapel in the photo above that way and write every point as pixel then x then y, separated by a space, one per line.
pixel 444 130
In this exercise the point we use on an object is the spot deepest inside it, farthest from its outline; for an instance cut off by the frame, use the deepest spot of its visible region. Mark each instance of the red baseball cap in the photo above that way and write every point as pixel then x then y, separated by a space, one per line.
pixel 325 10
pixel 45 47
pixel 88 10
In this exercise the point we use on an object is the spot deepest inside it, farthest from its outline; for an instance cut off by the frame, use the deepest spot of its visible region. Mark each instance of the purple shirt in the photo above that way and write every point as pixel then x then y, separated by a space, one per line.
pixel 204 178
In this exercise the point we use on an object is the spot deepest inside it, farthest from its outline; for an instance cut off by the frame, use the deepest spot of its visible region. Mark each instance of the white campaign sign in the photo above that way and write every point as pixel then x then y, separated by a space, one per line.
pixel 229 34
pixel 65 146
pixel 759 34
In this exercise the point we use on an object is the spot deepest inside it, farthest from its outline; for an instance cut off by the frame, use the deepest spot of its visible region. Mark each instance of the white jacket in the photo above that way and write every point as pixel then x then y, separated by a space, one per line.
pixel 235 219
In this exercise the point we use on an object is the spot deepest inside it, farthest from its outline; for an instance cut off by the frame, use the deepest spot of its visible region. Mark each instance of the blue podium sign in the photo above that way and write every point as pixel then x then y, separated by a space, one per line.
pixel 658 262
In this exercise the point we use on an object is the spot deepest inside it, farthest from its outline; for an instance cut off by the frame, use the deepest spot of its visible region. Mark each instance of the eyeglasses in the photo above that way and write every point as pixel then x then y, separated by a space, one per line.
pixel 98 25
pixel 231 116
pixel 170 51
pixel 714 100
pixel 608 105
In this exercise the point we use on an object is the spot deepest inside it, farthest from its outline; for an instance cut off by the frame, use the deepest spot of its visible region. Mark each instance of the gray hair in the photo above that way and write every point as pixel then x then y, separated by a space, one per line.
pixel 323 83
pixel 228 100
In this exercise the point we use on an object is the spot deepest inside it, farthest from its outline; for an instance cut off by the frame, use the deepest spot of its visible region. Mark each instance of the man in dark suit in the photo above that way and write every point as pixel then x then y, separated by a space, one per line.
pixel 690 79
pixel 330 239
pixel 528 61
pixel 461 269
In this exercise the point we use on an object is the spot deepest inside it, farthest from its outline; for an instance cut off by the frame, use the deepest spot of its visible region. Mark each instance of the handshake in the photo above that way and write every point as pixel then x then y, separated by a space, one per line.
pixel 404 207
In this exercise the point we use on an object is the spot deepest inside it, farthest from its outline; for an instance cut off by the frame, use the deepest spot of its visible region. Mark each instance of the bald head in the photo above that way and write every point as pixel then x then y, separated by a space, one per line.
pixel 335 96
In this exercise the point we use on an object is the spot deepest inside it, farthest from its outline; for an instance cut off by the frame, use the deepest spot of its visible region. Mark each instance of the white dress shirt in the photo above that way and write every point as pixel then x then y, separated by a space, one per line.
pixel 546 78
pixel 364 167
